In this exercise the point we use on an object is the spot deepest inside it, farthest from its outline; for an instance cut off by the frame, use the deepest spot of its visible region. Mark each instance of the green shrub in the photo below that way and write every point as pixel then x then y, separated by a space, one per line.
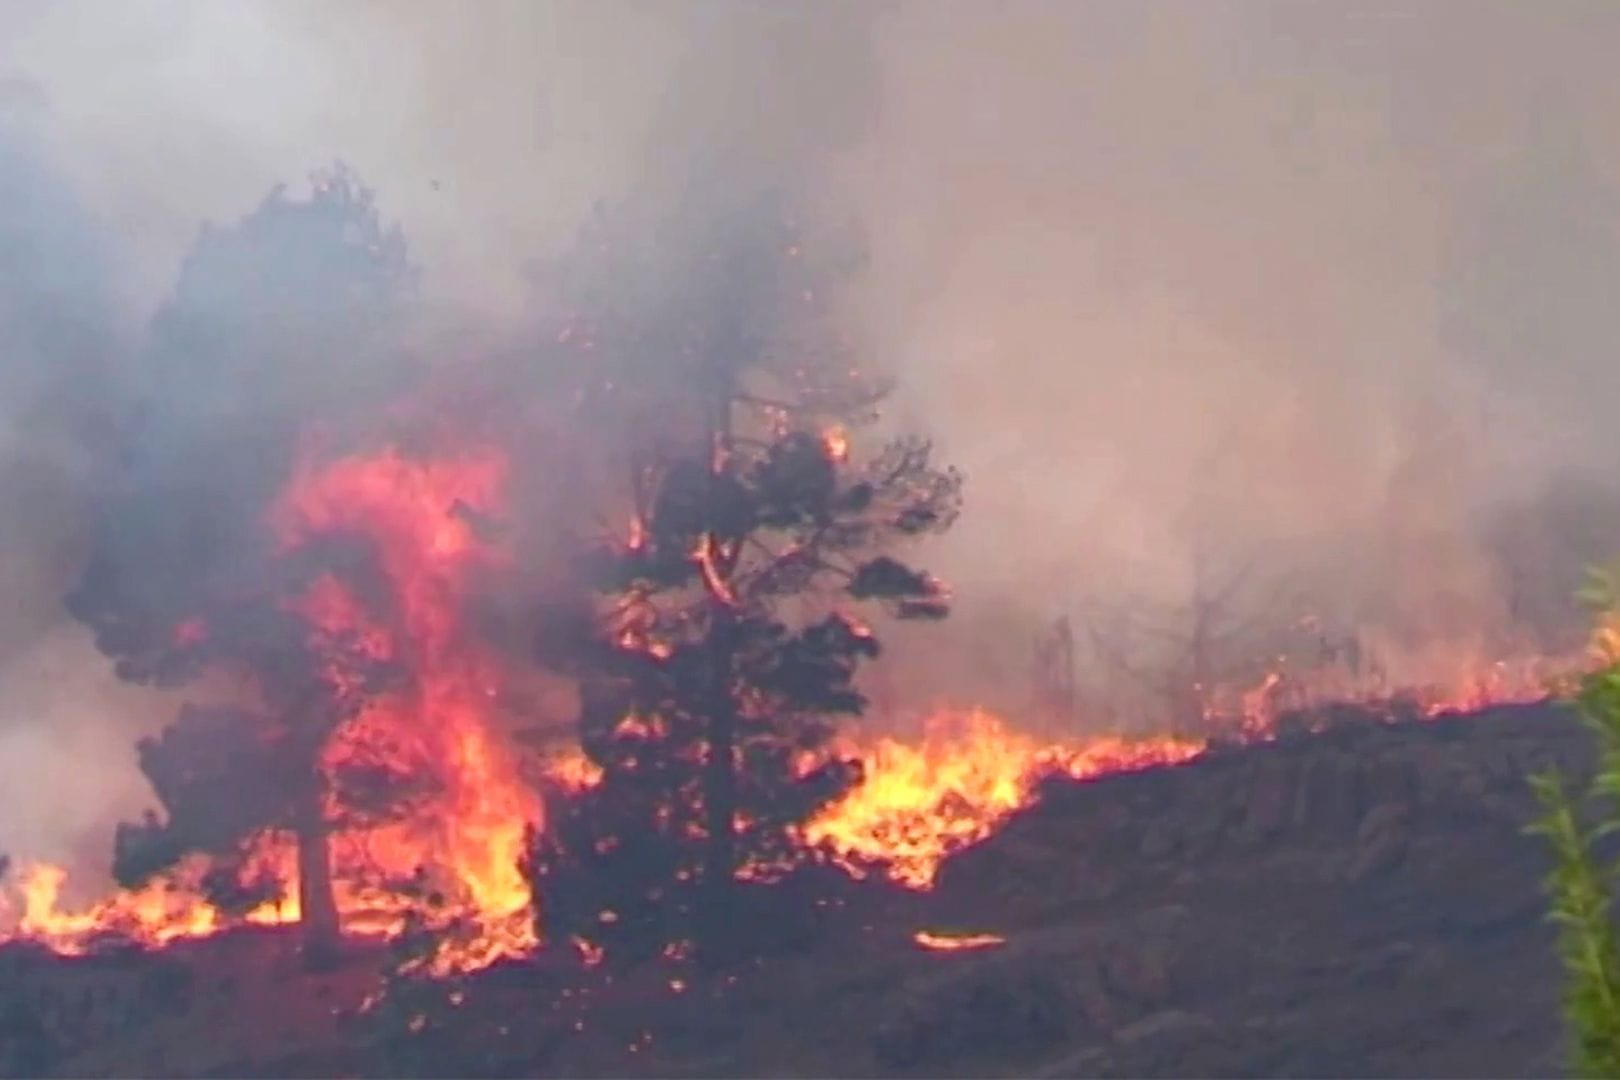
pixel 1581 886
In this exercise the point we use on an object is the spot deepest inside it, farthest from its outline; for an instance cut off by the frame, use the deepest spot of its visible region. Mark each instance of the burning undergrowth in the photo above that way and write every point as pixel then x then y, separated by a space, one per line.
pixel 319 557
pixel 919 801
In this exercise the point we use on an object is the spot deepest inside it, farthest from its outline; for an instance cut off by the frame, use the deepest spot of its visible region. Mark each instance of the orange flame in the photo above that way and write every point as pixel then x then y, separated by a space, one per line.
pixel 920 803
pixel 1457 685
pixel 421 518
pixel 836 441
pixel 946 942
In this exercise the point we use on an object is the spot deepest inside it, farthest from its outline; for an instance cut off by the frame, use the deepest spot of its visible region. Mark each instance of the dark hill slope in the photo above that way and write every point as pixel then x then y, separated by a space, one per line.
pixel 1361 902
pixel 1358 902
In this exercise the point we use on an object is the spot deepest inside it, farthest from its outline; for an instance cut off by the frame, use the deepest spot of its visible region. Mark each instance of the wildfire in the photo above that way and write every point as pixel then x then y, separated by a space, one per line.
pixel 422 519
pixel 152 916
pixel 436 728
pixel 1456 685
pixel 836 441
pixel 921 802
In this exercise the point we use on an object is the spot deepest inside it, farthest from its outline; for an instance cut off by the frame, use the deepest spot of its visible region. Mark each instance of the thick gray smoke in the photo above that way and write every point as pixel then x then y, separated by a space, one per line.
pixel 1324 289
pixel 61 334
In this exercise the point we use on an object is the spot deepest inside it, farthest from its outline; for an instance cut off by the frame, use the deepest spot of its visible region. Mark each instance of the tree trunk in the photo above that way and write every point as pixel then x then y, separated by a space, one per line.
pixel 718 934
pixel 720 797
pixel 317 905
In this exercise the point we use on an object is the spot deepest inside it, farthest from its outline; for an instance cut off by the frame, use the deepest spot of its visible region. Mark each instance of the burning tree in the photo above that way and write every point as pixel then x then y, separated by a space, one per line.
pixel 275 323
pixel 720 641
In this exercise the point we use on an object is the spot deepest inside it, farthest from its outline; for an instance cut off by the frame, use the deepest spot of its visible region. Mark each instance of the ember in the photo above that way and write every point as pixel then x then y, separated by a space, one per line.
pixel 949 942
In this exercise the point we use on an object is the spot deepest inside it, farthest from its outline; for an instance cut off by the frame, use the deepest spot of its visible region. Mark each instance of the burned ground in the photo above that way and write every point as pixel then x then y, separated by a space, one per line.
pixel 1357 902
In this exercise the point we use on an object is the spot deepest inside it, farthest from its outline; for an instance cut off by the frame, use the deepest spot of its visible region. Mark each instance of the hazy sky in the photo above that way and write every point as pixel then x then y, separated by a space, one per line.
pixel 1296 270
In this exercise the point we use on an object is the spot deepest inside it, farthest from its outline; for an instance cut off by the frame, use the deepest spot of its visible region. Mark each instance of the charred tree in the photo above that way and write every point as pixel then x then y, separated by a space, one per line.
pixel 722 643
pixel 1056 687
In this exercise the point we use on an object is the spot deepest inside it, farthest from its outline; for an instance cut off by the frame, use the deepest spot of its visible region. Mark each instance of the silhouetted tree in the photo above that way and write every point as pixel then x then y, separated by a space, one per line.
pixel 1056 694
pixel 722 647
pixel 277 324
pixel 226 775
pixel 1177 655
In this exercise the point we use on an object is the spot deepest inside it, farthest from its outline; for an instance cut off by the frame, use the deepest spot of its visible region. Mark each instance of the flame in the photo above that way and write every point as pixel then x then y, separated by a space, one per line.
pixel 1456 684
pixel 918 804
pixel 947 942
pixel 919 801
pixel 152 916
pixel 572 771
pixel 836 441
pixel 421 518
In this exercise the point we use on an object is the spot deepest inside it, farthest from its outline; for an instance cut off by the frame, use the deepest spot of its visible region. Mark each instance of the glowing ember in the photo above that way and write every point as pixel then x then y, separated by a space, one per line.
pixel 572 771
pixel 946 942
pixel 920 803
pixel 836 440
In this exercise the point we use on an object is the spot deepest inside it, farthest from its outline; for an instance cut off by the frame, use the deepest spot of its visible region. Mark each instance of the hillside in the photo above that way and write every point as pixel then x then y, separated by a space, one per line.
pixel 1357 902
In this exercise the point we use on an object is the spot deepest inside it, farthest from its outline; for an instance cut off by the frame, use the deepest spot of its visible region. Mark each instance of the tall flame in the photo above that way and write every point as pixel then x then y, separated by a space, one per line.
pixel 436 729
pixel 421 518
pixel 919 803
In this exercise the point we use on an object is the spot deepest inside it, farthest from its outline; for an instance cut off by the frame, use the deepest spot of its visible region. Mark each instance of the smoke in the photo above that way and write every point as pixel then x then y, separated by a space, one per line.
pixel 1270 278
pixel 1321 288
pixel 60 335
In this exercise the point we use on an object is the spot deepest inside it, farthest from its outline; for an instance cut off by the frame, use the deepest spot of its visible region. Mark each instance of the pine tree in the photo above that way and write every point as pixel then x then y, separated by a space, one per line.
pixel 277 322
pixel 722 644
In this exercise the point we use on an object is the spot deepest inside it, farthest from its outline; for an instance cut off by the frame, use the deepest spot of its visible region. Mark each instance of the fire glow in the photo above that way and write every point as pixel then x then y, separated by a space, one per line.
pixel 420 517
pixel 940 941
pixel 919 801
pixel 436 729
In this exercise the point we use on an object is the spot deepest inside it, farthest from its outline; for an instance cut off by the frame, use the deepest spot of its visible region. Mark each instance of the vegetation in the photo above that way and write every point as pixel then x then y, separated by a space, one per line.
pixel 277 322
pixel 1582 883
pixel 719 643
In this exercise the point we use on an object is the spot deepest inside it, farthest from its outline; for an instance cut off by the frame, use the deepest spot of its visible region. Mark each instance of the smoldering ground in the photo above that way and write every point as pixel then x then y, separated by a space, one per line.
pixel 1326 288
